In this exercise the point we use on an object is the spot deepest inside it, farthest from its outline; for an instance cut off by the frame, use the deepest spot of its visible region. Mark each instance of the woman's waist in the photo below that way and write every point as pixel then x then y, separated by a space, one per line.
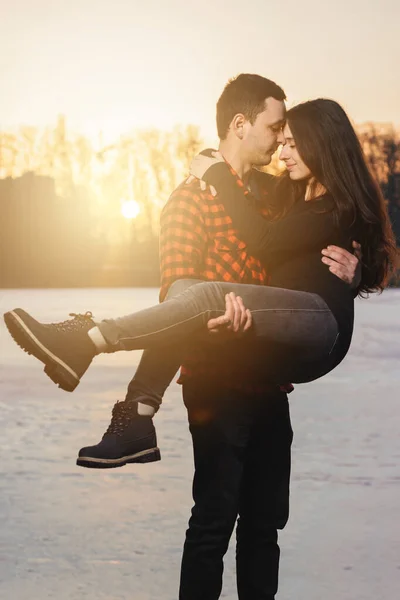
pixel 315 279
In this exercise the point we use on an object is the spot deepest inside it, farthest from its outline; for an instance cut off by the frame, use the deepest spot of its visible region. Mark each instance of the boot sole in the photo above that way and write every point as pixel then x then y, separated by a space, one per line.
pixel 58 371
pixel 145 456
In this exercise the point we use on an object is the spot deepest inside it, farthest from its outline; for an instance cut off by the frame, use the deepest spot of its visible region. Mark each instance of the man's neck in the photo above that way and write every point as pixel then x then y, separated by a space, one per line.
pixel 233 157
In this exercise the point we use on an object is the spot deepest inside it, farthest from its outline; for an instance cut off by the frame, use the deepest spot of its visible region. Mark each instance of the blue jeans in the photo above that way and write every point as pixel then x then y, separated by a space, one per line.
pixel 156 370
pixel 292 338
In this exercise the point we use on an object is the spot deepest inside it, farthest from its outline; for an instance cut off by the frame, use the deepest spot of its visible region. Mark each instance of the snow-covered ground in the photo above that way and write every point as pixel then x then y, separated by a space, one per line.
pixel 74 534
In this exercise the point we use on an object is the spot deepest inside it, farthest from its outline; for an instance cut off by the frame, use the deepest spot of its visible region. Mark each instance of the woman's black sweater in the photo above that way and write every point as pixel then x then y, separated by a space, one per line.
pixel 290 248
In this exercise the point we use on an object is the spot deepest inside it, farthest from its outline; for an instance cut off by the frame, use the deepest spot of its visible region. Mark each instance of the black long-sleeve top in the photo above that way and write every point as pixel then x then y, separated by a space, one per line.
pixel 291 247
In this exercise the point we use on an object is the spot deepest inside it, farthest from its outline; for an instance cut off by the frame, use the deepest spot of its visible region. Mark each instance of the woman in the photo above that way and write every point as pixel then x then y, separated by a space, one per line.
pixel 304 320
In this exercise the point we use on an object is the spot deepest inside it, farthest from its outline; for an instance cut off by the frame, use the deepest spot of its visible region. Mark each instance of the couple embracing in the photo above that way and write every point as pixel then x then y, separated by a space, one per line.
pixel 259 276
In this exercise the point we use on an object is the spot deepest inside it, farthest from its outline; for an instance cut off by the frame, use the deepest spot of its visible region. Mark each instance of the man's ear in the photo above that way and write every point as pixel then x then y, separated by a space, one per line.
pixel 237 125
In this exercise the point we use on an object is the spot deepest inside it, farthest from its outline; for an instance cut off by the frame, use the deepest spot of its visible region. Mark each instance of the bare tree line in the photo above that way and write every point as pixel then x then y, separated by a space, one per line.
pixel 144 165
pixel 66 228
pixel 149 163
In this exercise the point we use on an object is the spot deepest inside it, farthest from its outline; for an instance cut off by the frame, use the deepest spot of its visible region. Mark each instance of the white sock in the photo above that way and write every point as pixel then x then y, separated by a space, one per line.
pixel 98 339
pixel 144 410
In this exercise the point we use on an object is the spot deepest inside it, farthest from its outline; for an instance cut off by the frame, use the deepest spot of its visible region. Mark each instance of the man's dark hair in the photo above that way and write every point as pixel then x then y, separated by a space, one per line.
pixel 245 94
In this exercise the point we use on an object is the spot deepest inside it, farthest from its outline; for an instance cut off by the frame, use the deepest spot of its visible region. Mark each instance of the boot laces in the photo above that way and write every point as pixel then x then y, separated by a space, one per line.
pixel 79 321
pixel 121 417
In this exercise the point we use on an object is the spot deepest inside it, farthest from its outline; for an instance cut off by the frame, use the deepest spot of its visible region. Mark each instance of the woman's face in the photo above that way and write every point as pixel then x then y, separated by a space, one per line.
pixel 297 168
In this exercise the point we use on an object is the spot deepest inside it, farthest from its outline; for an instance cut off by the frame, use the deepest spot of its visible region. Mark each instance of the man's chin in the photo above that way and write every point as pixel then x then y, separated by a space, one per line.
pixel 264 161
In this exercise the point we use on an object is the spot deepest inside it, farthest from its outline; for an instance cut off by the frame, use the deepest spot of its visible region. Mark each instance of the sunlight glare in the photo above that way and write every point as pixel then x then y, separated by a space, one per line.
pixel 130 209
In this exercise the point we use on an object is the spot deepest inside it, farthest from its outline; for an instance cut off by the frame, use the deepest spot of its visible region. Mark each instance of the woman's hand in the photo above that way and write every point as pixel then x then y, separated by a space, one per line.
pixel 200 164
pixel 344 264
pixel 203 161
pixel 236 320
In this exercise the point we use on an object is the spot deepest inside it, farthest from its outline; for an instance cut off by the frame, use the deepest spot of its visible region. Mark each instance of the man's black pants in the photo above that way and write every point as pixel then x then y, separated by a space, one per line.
pixel 241 445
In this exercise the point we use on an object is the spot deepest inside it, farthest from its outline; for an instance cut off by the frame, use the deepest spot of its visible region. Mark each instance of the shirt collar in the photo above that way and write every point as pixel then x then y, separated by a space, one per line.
pixel 252 186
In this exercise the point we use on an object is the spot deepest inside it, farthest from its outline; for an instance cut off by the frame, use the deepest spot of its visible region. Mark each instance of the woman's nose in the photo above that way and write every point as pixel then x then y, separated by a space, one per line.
pixel 283 153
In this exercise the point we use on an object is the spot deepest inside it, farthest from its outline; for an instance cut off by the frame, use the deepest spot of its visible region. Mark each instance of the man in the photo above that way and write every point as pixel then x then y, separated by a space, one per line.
pixel 240 425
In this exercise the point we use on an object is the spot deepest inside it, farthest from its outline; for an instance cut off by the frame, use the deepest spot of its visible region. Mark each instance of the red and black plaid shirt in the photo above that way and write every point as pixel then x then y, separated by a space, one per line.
pixel 198 241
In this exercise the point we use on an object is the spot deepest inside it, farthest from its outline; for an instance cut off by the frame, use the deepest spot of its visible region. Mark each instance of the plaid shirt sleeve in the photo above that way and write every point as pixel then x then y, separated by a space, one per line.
pixel 183 239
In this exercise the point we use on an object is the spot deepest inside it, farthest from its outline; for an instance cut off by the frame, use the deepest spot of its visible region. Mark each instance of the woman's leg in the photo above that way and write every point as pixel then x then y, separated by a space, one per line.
pixel 299 322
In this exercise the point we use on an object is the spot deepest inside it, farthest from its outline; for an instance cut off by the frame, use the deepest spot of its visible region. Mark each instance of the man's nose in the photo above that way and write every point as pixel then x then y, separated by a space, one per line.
pixel 280 138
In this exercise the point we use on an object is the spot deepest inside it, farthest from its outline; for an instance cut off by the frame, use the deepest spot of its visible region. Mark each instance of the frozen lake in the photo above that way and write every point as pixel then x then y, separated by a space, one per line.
pixel 73 534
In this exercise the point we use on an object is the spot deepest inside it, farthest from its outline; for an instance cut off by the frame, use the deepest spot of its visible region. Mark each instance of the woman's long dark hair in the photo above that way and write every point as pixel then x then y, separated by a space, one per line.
pixel 329 146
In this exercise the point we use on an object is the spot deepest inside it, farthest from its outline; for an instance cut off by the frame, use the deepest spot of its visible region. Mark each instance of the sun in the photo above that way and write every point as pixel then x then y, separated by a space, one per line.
pixel 130 209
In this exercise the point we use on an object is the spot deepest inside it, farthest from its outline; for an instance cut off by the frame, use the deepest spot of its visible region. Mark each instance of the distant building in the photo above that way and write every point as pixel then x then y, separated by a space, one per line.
pixel 50 241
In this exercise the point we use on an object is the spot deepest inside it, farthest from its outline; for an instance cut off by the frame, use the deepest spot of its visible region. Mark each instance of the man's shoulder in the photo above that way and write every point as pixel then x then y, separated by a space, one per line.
pixel 187 194
pixel 191 187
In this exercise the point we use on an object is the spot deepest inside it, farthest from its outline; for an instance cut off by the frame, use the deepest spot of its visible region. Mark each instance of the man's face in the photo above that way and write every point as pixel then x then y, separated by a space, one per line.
pixel 262 139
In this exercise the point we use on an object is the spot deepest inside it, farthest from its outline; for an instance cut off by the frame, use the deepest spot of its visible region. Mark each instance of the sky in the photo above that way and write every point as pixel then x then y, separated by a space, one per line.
pixel 113 66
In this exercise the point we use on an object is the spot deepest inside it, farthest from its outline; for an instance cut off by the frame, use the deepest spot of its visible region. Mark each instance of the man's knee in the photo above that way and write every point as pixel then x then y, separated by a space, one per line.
pixel 252 521
pixel 259 529
pixel 216 524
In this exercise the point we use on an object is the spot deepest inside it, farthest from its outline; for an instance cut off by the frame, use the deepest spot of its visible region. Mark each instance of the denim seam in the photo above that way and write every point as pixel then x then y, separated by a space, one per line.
pixel 145 335
pixel 334 344
pixel 138 337
pixel 291 310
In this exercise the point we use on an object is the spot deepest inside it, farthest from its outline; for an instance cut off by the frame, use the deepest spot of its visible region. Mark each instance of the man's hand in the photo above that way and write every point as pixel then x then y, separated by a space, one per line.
pixel 344 264
pixel 236 320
